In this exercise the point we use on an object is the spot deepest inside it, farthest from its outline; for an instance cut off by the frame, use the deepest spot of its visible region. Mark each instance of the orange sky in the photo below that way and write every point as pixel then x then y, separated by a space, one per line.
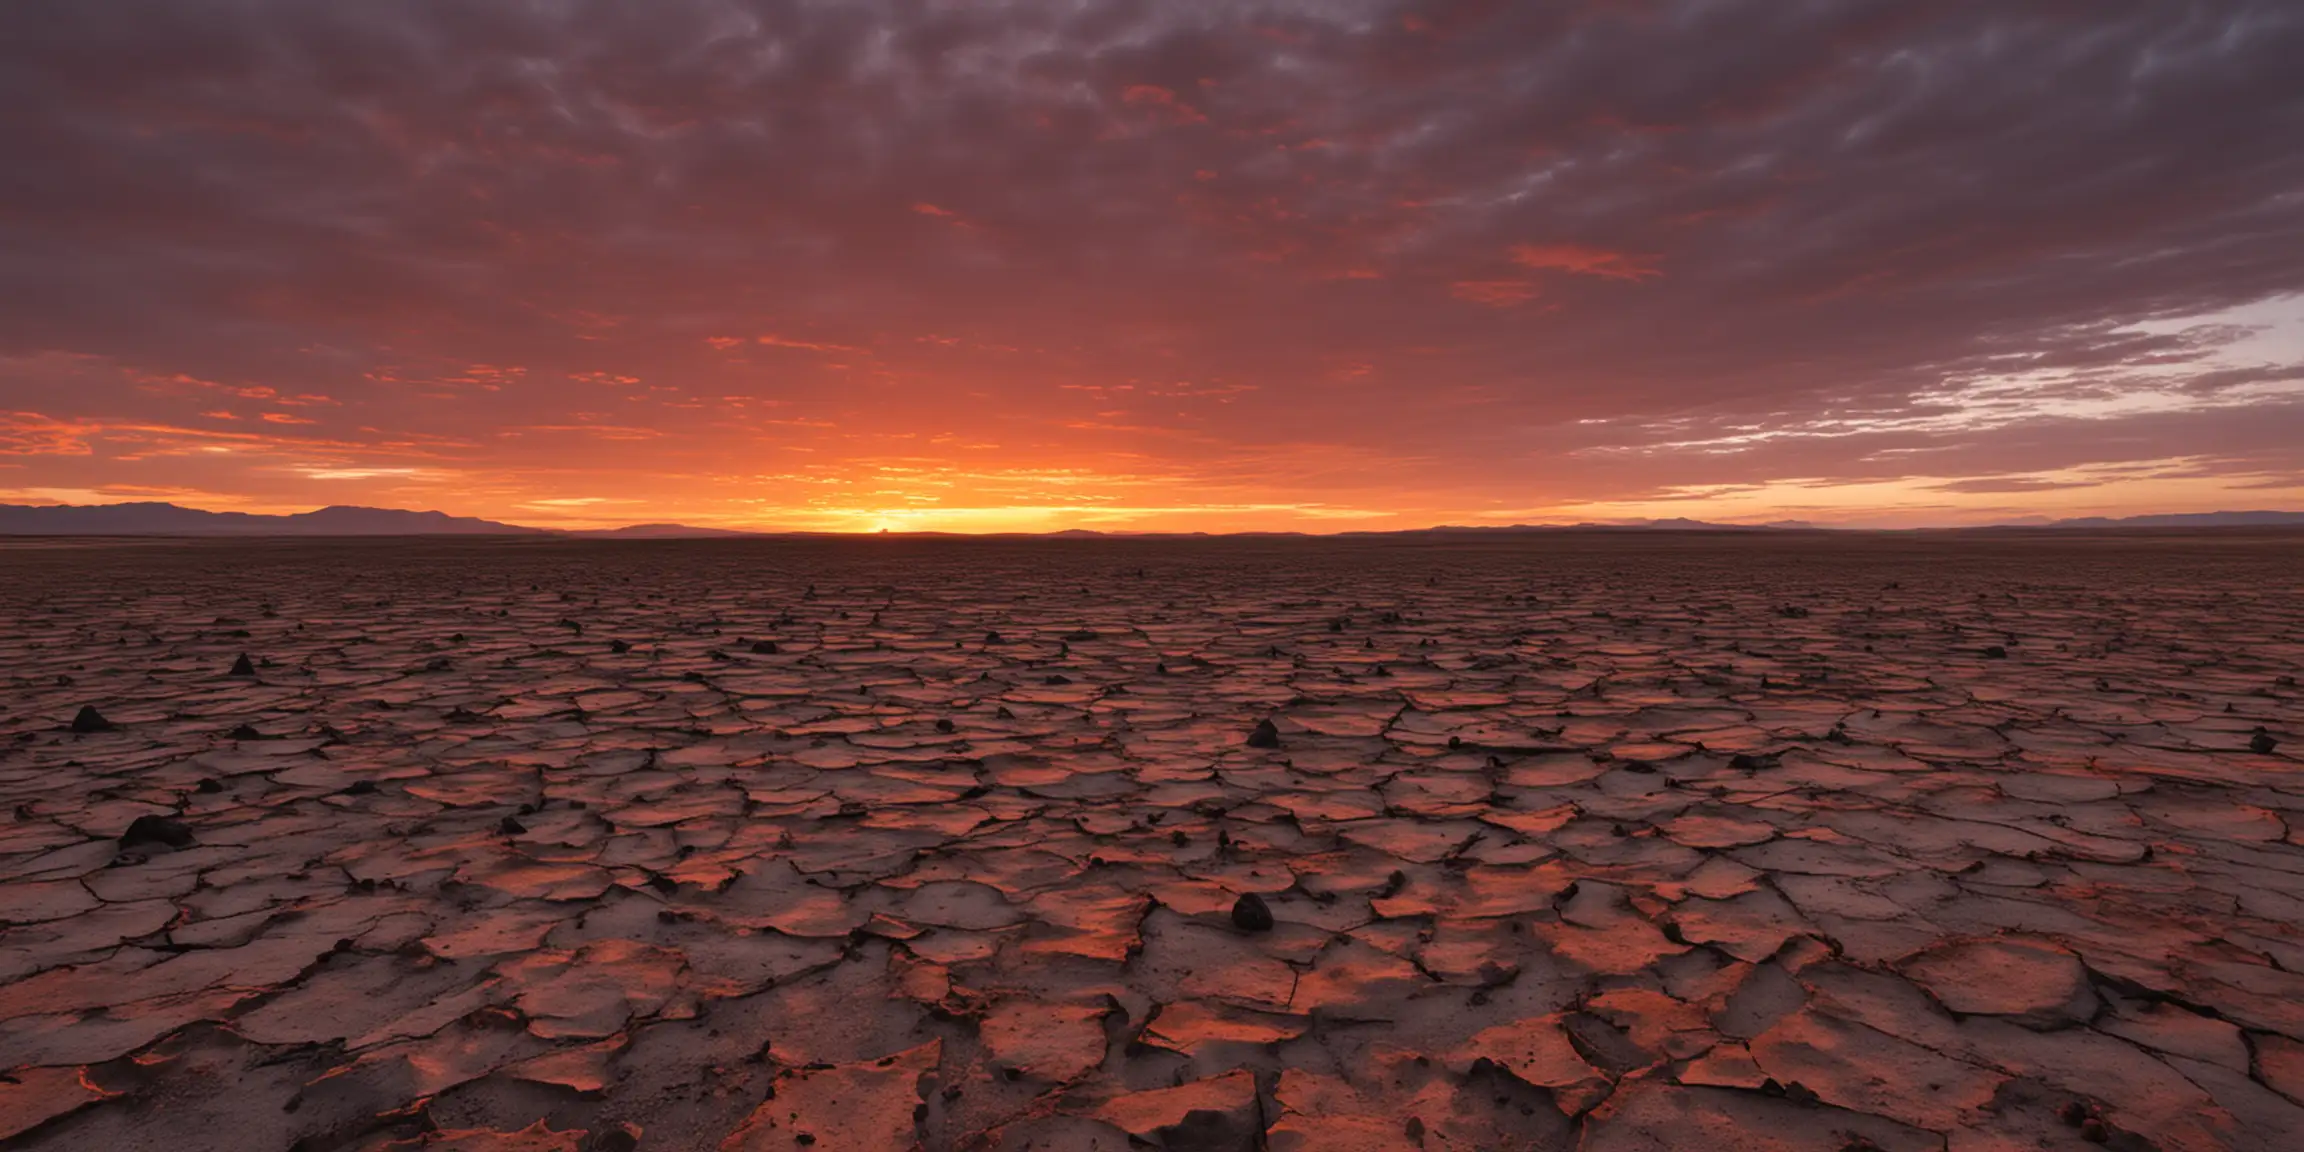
pixel 1274 266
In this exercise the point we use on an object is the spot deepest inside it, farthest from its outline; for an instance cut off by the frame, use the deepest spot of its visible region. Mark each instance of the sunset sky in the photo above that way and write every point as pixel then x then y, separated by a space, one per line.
pixel 1041 264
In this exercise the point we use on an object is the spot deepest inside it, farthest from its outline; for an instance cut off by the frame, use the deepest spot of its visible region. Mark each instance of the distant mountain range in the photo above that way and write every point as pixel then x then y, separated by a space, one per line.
pixel 156 519
pixel 2187 520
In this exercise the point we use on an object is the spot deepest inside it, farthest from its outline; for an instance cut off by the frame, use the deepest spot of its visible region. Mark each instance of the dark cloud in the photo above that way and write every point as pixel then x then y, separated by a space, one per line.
pixel 1480 240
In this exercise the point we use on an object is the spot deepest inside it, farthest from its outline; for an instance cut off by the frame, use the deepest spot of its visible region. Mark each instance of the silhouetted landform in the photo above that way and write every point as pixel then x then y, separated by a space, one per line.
pixel 2187 520
pixel 156 519
pixel 160 519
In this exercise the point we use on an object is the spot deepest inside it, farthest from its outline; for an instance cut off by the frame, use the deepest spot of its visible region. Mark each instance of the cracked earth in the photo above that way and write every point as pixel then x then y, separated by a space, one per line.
pixel 1609 842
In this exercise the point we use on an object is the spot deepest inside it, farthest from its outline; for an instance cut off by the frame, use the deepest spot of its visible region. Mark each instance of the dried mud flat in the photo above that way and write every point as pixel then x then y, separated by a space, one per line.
pixel 1611 842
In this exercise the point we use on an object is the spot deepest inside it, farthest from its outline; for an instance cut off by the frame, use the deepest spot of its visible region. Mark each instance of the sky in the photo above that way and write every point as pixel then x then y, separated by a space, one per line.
pixel 995 265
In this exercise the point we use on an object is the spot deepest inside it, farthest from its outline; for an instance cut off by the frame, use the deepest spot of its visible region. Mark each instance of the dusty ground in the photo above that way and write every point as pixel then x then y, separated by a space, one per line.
pixel 1609 841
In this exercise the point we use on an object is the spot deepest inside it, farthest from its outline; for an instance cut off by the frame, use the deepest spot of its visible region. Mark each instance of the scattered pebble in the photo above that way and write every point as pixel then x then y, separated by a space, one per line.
pixel 1251 914
pixel 146 831
pixel 1265 735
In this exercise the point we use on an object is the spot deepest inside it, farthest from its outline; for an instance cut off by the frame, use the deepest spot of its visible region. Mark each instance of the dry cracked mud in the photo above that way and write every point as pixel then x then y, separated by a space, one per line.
pixel 1609 841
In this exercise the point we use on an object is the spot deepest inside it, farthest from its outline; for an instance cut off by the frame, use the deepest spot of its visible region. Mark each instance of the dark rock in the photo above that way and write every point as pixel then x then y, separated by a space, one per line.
pixel 2073 1113
pixel 1995 652
pixel 243 666
pixel 1251 914
pixel 619 647
pixel 1265 735
pixel 2262 743
pixel 90 720
pixel 245 732
pixel 361 788
pixel 764 648
pixel 993 638
pixel 209 786
pixel 945 725
pixel 2093 1131
pixel 511 826
pixel 145 831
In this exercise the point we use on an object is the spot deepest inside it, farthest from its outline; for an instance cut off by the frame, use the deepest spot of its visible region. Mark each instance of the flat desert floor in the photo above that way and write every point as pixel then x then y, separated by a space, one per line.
pixel 1608 841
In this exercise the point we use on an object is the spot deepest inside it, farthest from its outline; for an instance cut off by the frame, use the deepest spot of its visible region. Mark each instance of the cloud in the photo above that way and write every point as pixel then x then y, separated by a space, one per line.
pixel 1585 261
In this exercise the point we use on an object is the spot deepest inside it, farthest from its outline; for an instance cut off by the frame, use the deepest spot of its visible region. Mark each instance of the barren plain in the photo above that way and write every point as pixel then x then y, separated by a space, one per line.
pixel 1609 841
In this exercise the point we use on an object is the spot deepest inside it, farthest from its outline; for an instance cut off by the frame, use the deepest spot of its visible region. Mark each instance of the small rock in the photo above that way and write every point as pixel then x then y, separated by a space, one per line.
pixel 1251 914
pixel 245 732
pixel 2073 1113
pixel 1995 652
pixel 2262 743
pixel 243 666
pixel 945 725
pixel 209 786
pixel 162 830
pixel 764 648
pixel 90 720
pixel 2093 1131
pixel 362 788
pixel 619 647
pixel 1266 735
pixel 511 826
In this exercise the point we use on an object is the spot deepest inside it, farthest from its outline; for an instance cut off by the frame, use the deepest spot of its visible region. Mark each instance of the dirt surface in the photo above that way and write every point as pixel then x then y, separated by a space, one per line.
pixel 1608 841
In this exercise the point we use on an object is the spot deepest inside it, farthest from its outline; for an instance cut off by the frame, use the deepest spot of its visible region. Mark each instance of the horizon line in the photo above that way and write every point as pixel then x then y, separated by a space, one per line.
pixel 484 526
